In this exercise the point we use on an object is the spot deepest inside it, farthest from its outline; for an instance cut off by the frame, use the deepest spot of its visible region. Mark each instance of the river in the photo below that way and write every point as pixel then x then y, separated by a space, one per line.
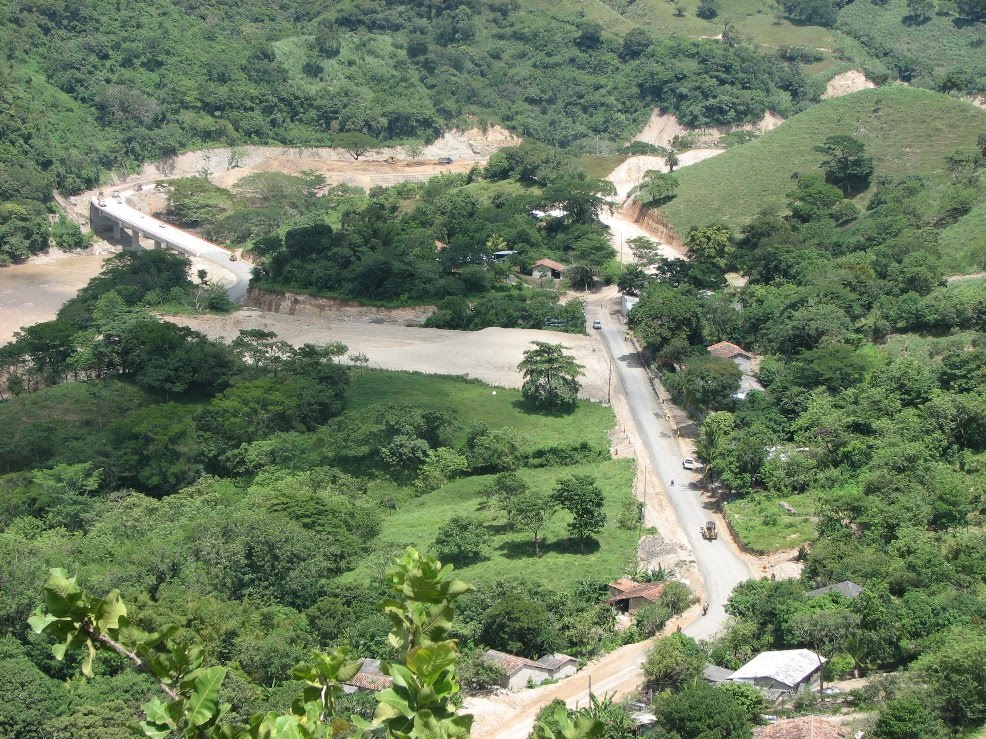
pixel 34 291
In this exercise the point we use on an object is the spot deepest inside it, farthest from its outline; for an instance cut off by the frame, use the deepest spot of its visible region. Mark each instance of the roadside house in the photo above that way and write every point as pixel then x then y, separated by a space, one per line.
pixel 518 672
pixel 803 727
pixel 628 596
pixel 545 268
pixel 746 361
pixel 369 678
pixel 713 674
pixel 787 670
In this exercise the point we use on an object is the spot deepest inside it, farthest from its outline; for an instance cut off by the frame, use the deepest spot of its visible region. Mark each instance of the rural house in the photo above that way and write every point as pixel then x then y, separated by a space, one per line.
pixel 628 596
pixel 787 670
pixel 803 727
pixel 545 268
pixel 369 678
pixel 746 361
pixel 519 671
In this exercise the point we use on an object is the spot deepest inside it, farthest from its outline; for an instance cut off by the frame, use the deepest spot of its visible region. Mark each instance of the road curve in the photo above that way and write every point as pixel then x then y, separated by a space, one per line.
pixel 721 567
pixel 181 241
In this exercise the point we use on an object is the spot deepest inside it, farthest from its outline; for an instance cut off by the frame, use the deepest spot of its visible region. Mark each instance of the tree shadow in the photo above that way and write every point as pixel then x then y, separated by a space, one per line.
pixel 914 21
pixel 524 549
pixel 529 408
pixel 631 360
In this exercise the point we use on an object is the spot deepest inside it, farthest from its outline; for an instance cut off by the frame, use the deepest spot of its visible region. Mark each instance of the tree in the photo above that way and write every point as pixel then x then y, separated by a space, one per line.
pixel 703 711
pixel 710 245
pixel 656 187
pixel 707 9
pixel 519 624
pixel 673 662
pixel 581 496
pixel 846 166
pixel 676 597
pixel 667 321
pixel 632 281
pixel 974 10
pixel 423 701
pixel 550 376
pixel 908 717
pixel 531 511
pixel 706 381
pixel 920 11
pixel 955 673
pixel 506 488
pixel 811 12
pixel 357 144
pixel 581 199
pixel 440 466
pixel 462 540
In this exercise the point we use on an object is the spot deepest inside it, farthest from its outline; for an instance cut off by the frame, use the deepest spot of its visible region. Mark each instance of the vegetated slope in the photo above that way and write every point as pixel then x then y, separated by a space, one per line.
pixel 942 51
pixel 906 131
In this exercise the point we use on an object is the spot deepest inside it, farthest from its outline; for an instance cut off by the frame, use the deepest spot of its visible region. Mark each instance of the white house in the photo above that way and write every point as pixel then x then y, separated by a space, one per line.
pixel 787 670
pixel 518 672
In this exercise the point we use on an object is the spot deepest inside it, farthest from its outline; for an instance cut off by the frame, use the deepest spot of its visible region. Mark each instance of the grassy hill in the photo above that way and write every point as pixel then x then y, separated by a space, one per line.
pixel 906 130
pixel 416 520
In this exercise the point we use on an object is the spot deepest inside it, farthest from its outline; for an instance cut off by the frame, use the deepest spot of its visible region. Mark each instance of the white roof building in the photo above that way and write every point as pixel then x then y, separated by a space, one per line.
pixel 789 669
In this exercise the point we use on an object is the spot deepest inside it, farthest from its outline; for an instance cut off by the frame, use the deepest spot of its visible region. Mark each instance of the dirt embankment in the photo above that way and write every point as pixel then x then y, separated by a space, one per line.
pixel 310 306
pixel 662 128
pixel 227 164
pixel 846 83
pixel 652 221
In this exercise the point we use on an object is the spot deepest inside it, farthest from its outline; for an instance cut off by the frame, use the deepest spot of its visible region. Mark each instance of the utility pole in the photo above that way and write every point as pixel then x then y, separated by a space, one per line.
pixel 609 382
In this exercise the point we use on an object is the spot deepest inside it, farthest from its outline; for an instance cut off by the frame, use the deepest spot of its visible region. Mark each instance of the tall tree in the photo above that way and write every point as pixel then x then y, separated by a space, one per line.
pixel 581 496
pixel 532 510
pixel 550 376
pixel 846 165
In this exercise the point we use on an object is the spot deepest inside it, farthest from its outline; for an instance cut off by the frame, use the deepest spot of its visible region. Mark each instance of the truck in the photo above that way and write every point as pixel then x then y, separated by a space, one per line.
pixel 709 531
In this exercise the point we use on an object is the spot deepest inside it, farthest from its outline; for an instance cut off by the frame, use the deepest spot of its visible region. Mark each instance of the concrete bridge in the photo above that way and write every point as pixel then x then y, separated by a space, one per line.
pixel 138 230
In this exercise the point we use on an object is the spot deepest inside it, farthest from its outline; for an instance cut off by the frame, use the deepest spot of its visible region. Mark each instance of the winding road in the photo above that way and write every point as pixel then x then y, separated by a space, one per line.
pixel 620 673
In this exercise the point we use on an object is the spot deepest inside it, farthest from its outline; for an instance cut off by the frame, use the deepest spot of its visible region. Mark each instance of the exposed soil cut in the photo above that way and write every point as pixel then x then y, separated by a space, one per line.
pixel 846 83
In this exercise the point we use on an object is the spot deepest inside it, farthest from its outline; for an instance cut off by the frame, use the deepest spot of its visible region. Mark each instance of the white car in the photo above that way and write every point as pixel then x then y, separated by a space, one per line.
pixel 688 463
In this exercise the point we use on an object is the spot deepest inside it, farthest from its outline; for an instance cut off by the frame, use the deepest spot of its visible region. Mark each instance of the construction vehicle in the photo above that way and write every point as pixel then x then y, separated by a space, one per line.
pixel 709 531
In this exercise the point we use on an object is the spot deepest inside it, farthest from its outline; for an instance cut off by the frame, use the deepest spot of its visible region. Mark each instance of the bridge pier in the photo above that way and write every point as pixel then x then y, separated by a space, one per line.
pixel 135 239
pixel 116 231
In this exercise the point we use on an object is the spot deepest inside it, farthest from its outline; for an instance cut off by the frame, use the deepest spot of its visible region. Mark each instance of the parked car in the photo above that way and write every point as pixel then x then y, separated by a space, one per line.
pixel 445 160
pixel 597 323
pixel 688 463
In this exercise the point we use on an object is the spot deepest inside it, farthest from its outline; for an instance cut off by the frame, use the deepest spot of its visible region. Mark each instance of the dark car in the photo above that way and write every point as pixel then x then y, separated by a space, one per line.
pixel 445 160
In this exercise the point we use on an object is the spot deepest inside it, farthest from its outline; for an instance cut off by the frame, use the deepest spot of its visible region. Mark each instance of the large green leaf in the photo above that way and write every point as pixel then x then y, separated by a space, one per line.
pixel 203 704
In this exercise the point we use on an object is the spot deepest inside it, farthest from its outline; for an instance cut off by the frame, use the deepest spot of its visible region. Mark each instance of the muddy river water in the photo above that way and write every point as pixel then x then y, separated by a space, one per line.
pixel 34 291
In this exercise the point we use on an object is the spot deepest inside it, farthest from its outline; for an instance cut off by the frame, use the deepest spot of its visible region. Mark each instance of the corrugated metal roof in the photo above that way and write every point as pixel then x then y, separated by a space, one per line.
pixel 787 666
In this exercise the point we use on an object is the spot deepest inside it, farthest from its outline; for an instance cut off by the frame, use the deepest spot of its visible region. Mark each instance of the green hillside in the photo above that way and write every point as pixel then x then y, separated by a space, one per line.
pixel 906 131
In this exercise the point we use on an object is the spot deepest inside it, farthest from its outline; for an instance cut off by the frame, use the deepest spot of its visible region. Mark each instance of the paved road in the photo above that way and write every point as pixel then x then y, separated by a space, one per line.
pixel 722 569
pixel 183 241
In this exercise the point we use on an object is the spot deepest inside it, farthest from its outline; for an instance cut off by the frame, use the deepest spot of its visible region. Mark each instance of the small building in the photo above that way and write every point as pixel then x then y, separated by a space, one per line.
pixel 368 678
pixel 786 670
pixel 553 213
pixel 746 361
pixel 803 727
pixel 740 356
pixel 628 596
pixel 519 672
pixel 561 665
pixel 713 674
pixel 544 268
pixel 847 588
pixel 627 303
pixel 498 255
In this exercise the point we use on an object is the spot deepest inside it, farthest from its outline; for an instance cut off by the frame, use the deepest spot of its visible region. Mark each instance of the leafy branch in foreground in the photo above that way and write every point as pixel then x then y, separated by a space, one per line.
pixel 421 703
